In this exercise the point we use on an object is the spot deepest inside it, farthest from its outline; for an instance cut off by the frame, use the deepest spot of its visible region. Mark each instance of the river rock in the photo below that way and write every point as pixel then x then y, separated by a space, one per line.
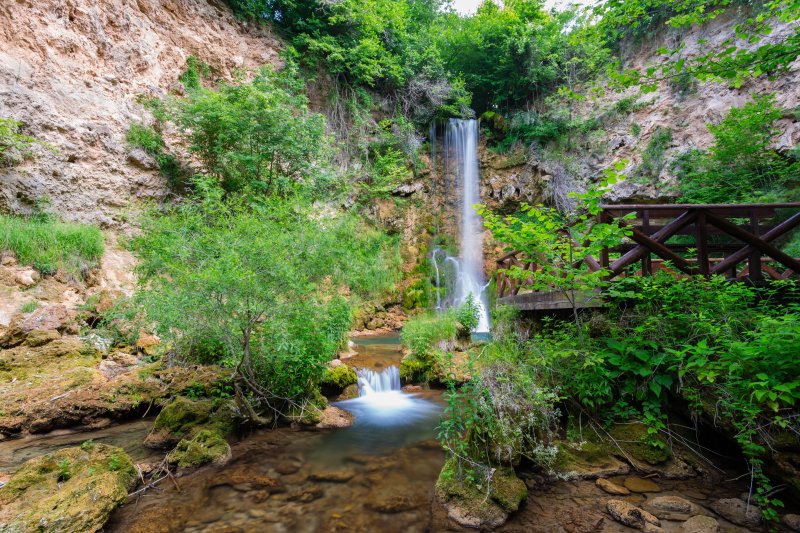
pixel 611 488
pixel 335 418
pixel 306 495
pixel 737 511
pixel 629 515
pixel 207 446
pixel 700 524
pixel 638 484
pixel 333 476
pixel 792 521
pixel 670 507
pixel 178 419
pixel 393 504
pixel 72 489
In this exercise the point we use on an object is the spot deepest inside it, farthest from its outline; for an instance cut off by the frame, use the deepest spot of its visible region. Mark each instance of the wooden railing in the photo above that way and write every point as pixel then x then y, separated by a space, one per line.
pixel 735 240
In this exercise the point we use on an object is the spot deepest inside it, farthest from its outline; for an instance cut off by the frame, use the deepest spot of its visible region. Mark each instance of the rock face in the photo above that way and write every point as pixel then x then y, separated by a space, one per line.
pixel 71 72
pixel 73 489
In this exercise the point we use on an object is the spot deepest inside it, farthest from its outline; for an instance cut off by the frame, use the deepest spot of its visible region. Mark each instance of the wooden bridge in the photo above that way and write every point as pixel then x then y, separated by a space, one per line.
pixel 734 240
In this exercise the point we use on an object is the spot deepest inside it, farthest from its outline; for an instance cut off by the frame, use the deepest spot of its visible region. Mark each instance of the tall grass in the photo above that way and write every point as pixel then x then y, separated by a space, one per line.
pixel 50 245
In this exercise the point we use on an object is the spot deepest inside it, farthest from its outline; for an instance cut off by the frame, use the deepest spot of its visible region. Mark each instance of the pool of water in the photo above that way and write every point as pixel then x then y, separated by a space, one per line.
pixel 376 351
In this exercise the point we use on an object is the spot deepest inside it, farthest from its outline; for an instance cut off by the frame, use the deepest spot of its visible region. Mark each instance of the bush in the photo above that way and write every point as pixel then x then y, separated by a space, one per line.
pixel 424 332
pixel 653 156
pixel 50 245
pixel 149 140
pixel 14 145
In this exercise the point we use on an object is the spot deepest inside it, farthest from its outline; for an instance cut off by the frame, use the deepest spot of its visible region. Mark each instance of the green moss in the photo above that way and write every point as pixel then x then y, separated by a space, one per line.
pixel 73 489
pixel 206 446
pixel 339 377
pixel 634 439
pixel 413 368
pixel 182 414
pixel 507 489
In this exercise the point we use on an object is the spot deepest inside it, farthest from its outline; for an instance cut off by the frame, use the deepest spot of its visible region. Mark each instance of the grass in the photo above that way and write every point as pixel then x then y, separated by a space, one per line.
pixel 29 306
pixel 50 245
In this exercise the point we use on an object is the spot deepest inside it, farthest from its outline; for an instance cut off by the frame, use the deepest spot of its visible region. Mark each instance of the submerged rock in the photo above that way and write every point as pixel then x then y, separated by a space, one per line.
pixel 700 524
pixel 670 507
pixel 638 484
pixel 611 487
pixel 73 489
pixel 469 507
pixel 333 476
pixel 737 511
pixel 628 514
pixel 792 521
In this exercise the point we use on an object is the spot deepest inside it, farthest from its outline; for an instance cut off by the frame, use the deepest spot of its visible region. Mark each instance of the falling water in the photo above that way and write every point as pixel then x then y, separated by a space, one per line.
pixel 372 382
pixel 461 147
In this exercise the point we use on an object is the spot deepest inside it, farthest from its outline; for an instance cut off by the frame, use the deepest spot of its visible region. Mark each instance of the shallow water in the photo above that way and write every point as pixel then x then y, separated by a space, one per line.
pixel 128 436
pixel 377 475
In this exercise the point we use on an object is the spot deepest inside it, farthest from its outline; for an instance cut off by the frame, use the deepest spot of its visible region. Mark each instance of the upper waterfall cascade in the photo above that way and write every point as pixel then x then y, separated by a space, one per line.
pixel 461 162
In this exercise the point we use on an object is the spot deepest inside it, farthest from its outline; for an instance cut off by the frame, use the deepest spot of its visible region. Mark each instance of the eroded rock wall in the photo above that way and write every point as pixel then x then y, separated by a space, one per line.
pixel 70 71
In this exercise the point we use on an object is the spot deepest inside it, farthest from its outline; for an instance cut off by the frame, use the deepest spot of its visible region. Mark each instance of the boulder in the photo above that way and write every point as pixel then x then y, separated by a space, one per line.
pixel 638 484
pixel 335 418
pixel 700 524
pixel 207 446
pixel 611 487
pixel 737 511
pixel 178 419
pixel 629 515
pixel 72 489
pixel 51 317
pixel 148 343
pixel 470 507
pixel 792 521
pixel 27 278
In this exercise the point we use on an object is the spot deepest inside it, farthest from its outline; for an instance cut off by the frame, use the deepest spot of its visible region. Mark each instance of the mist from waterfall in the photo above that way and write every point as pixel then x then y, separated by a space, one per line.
pixel 461 162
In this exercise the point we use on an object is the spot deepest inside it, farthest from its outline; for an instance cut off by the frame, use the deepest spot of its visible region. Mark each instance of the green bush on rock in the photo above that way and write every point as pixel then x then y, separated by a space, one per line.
pixel 39 497
pixel 339 377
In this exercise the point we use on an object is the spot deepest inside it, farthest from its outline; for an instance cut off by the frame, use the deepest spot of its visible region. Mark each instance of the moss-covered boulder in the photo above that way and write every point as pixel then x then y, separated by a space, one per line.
pixel 183 417
pixel 207 446
pixel 337 378
pixel 74 489
pixel 635 440
pixel 470 507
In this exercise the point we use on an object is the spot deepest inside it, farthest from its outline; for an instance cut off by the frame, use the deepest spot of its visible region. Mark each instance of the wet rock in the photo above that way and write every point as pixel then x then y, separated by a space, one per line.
pixel 207 446
pixel 245 479
pixel 470 507
pixel 73 489
pixel 287 469
pixel 792 521
pixel 393 504
pixel 629 515
pixel 413 388
pixel 737 511
pixel 611 487
pixel 638 484
pixel 333 476
pixel 700 524
pixel 350 392
pixel 306 495
pixel 335 418
pixel 176 420
pixel 670 507
pixel 589 461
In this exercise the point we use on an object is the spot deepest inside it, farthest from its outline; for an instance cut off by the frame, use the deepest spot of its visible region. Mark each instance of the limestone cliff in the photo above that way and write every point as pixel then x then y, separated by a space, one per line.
pixel 70 71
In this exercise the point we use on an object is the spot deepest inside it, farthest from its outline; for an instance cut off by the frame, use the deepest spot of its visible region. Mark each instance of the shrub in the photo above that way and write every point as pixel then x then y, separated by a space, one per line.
pixel 422 333
pixel 653 155
pixel 149 140
pixel 14 145
pixel 467 316
pixel 50 245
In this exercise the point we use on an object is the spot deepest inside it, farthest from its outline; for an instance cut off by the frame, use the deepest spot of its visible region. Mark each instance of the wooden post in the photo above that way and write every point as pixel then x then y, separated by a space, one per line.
pixel 647 263
pixel 754 259
pixel 701 242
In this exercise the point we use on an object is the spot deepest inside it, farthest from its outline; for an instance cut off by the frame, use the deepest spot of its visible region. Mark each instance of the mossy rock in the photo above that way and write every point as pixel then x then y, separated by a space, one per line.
pixel 588 460
pixel 179 418
pixel 207 446
pixel 635 441
pixel 309 413
pixel 337 379
pixel 415 369
pixel 469 506
pixel 73 489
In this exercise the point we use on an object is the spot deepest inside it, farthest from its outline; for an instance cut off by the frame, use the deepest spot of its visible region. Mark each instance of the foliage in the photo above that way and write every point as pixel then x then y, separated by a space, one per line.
pixel 238 280
pixel 423 333
pixel 29 307
pixel 653 156
pixel 339 377
pixel 258 135
pixel 149 140
pixel 50 245
pixel 741 165
pixel 15 146
pixel 468 316
pixel 559 242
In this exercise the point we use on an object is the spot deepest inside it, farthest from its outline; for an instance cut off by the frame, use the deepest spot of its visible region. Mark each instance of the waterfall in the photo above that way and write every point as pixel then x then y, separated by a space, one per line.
pixel 461 149
pixel 372 382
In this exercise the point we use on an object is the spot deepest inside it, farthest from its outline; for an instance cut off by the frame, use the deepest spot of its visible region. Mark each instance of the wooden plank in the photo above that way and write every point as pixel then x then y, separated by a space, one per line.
pixel 701 242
